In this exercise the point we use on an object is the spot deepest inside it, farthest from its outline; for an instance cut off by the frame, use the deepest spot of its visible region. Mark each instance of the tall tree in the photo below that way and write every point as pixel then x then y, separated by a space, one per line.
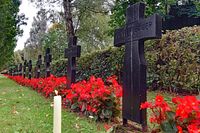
pixel 39 26
pixel 68 17
pixel 55 39
pixel 77 13
pixel 10 23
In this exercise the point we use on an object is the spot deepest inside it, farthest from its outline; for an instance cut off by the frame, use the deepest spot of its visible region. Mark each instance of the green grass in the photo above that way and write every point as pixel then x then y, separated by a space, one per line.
pixel 23 110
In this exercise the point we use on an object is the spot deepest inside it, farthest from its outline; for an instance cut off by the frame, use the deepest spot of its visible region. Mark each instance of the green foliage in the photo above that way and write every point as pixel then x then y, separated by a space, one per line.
pixel 197 3
pixel 173 61
pixel 58 67
pixel 152 6
pixel 100 64
pixel 169 125
pixel 56 40
pixel 93 32
pixel 9 29
pixel 118 13
pixel 33 45
pixel 18 57
pixel 90 20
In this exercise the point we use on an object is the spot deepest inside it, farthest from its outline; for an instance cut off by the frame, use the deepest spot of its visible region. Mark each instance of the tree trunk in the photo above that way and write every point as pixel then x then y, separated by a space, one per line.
pixel 68 18
pixel 166 7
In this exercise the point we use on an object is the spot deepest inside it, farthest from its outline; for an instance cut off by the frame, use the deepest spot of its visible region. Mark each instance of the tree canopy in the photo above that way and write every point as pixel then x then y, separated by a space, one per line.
pixel 90 23
pixel 10 23
pixel 152 6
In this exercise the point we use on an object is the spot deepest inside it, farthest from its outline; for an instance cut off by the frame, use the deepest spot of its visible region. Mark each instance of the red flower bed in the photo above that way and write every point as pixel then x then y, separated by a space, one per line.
pixel 183 117
pixel 94 98
pixel 101 100
pixel 47 86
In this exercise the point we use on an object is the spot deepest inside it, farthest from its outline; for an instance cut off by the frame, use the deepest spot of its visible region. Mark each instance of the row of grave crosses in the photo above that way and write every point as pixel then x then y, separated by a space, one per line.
pixel 21 69
pixel 136 30
pixel 71 53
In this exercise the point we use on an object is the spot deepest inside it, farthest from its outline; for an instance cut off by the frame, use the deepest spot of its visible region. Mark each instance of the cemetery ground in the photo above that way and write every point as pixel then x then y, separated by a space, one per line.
pixel 24 110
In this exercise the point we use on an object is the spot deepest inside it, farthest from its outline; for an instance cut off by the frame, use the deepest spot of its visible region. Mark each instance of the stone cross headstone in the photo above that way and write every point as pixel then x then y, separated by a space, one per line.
pixel 24 68
pixel 39 63
pixel 47 60
pixel 20 69
pixel 16 70
pixel 13 71
pixel 30 69
pixel 133 34
pixel 71 53
pixel 10 71
pixel 35 71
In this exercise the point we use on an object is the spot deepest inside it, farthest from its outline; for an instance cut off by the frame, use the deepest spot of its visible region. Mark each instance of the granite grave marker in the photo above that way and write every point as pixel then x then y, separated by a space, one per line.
pixel 47 60
pixel 71 53
pixel 30 69
pixel 133 34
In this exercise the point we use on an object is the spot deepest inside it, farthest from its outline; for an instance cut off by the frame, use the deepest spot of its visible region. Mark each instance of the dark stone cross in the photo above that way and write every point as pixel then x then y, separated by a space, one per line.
pixel 16 70
pixel 13 71
pixel 136 31
pixel 30 69
pixel 10 71
pixel 39 63
pixel 24 68
pixel 47 60
pixel 71 53
pixel 20 69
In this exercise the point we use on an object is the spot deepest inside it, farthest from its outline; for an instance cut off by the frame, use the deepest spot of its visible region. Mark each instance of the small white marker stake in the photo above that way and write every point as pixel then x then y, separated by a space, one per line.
pixel 57 114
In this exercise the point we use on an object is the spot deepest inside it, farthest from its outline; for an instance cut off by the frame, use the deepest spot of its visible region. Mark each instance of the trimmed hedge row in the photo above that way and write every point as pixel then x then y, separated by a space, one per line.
pixel 173 61
pixel 100 64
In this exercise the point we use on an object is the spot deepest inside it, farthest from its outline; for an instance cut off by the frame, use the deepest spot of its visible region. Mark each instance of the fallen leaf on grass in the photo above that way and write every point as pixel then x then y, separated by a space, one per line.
pixel 91 116
pixel 77 126
pixel 77 118
pixel 14 111
pixel 52 104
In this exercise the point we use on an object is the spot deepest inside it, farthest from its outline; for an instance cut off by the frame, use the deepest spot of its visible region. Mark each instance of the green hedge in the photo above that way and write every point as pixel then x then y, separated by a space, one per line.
pixel 173 61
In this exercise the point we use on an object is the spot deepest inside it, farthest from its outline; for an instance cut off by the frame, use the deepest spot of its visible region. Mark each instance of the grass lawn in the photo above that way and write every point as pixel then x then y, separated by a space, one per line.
pixel 23 110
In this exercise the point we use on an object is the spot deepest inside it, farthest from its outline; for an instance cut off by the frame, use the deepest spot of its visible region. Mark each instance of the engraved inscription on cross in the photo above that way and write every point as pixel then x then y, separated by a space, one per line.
pixel 47 60
pixel 71 53
pixel 136 31
pixel 39 63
